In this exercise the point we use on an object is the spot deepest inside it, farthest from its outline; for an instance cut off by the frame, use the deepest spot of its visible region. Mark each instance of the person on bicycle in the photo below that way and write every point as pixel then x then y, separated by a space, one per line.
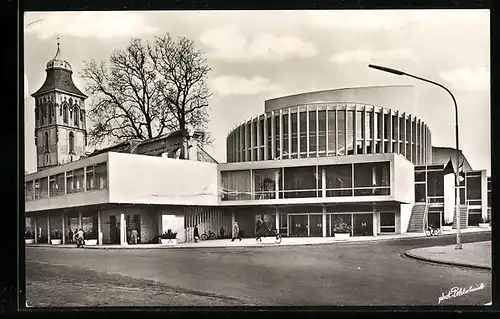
pixel 196 234
pixel 80 240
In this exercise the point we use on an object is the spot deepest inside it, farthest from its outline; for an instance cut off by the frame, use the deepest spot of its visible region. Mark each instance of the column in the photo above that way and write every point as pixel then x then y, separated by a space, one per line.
pixel 375 222
pixel 273 137
pixel 252 139
pixel 281 133
pixel 364 129
pixel 277 183
pixel 233 220
pixel 48 229
pixel 277 219
pixel 123 230
pixel 323 222
pixel 35 221
pixel 307 131
pixel 382 131
pixel 266 138
pixel 80 226
pixel 99 229
pixel 63 228
pixel 391 128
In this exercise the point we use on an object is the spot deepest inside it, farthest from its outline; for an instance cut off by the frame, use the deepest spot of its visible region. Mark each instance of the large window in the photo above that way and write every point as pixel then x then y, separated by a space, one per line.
pixel 332 131
pixel 312 131
pixel 78 178
pixel 474 217
pixel 277 130
pixel 303 132
pixel 420 193
pixel 101 176
pixel 338 180
pixel 350 132
pixel 265 183
pixel 300 182
pixel 294 135
pixel 435 186
pixel 341 133
pixel 28 191
pixel 236 185
pixel 371 179
pixel 285 135
pixel 57 185
pixel 473 187
pixel 322 131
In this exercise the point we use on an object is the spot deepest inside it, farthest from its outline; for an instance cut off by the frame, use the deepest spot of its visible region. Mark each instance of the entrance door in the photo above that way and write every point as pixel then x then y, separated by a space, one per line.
pixel 114 230
pixel 363 225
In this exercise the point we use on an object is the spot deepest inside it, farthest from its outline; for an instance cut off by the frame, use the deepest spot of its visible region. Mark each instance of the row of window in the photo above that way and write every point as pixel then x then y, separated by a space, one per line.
pixel 89 178
pixel 430 184
pixel 366 179
pixel 46 142
pixel 46 114
pixel 328 130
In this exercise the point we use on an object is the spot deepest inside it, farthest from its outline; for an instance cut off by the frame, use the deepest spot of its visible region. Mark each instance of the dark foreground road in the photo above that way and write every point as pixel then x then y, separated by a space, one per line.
pixel 373 273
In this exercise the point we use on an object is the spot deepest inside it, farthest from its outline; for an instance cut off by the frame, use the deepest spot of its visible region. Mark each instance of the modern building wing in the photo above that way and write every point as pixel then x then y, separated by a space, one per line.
pixel 354 160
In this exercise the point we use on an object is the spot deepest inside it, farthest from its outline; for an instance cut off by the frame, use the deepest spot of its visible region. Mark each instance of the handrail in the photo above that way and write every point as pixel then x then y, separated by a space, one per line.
pixel 425 219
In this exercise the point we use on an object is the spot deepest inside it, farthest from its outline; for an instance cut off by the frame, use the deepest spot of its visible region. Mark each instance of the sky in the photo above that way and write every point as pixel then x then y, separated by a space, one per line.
pixel 259 55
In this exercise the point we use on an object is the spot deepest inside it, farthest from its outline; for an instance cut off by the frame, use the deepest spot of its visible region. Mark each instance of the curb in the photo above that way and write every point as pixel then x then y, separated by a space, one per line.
pixel 450 263
pixel 263 245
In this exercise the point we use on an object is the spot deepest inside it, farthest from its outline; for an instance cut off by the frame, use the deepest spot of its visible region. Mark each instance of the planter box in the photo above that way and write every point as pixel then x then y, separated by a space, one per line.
pixel 55 241
pixel 169 242
pixel 342 236
pixel 29 241
pixel 484 225
pixel 90 242
pixel 446 228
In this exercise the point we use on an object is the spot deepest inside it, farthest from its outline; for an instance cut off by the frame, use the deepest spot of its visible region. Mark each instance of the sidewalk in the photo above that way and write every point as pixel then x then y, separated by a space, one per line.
pixel 475 255
pixel 266 241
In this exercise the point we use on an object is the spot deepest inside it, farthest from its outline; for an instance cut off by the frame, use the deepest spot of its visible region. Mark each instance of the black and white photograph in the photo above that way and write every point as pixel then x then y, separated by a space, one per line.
pixel 257 158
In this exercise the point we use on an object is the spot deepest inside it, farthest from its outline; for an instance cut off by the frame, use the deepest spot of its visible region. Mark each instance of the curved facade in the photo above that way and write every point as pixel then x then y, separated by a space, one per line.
pixel 321 129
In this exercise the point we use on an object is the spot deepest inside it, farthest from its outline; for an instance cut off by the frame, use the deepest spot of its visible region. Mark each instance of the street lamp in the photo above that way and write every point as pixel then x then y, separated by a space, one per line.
pixel 458 245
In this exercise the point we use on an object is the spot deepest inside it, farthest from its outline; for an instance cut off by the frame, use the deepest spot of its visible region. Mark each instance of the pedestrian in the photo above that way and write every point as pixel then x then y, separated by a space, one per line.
pixel 196 234
pixel 80 239
pixel 236 232
pixel 134 236
pixel 259 228
pixel 70 236
pixel 222 232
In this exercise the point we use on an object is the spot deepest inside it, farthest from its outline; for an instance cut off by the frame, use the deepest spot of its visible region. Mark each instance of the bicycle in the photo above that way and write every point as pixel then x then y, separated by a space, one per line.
pixel 278 237
pixel 211 235
pixel 432 231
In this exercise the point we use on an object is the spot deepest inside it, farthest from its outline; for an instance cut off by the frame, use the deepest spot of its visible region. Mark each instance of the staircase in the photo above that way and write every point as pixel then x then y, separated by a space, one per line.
pixel 463 218
pixel 418 212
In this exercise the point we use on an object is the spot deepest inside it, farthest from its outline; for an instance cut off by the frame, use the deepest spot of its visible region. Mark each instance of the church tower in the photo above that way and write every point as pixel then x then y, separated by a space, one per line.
pixel 60 128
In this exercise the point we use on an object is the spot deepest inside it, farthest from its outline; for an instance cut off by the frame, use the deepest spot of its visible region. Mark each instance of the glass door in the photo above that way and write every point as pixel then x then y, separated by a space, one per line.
pixel 298 225
pixel 316 225
pixel 363 225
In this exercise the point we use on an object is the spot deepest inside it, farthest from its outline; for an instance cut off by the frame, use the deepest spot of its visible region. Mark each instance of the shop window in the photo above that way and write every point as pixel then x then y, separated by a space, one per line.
pixel 388 222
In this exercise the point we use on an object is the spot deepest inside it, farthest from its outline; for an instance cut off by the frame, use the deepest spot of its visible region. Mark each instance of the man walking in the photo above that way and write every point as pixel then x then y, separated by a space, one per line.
pixel 236 232
pixel 259 229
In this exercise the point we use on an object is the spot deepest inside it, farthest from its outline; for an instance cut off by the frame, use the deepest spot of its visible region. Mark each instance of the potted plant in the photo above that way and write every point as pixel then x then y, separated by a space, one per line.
pixel 56 238
pixel 485 223
pixel 29 238
pixel 342 230
pixel 91 238
pixel 168 238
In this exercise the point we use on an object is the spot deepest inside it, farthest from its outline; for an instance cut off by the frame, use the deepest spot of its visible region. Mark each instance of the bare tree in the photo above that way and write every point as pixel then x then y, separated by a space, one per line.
pixel 182 73
pixel 147 90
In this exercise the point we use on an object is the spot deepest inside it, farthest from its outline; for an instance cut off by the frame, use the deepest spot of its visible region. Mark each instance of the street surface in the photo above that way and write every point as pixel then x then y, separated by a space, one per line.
pixel 356 274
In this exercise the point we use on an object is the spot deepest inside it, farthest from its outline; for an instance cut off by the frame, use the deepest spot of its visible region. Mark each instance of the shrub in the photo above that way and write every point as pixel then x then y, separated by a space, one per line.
pixel 169 235
pixel 29 235
pixel 341 227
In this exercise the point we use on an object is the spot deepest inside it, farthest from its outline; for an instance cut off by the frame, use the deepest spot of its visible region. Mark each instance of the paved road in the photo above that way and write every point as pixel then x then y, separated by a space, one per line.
pixel 363 273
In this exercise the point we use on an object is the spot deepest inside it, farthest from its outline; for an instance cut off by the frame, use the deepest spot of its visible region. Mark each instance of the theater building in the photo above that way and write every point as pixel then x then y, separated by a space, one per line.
pixel 311 161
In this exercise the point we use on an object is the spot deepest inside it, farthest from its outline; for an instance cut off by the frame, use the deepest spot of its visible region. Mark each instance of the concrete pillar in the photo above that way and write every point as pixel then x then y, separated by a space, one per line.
pixel 277 219
pixel 160 223
pixel 63 228
pixel 48 229
pixel 35 221
pixel 80 220
pixel 323 222
pixel 233 219
pixel 123 230
pixel 323 182
pixel 99 228
pixel 375 222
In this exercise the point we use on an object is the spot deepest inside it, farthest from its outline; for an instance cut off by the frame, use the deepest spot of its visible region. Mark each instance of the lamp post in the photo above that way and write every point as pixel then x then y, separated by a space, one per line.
pixel 458 245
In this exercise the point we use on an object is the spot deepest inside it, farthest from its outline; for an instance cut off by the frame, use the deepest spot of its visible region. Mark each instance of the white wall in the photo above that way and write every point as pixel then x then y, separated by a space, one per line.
pixel 405 214
pixel 141 179
pixel 449 197
pixel 402 180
